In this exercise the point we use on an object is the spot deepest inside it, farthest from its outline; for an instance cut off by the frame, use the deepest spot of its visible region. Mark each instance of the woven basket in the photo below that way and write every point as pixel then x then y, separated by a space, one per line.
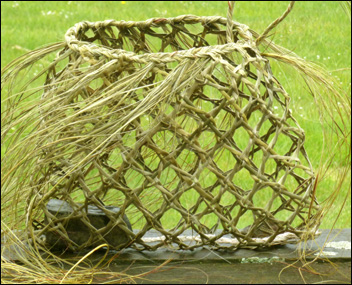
pixel 198 138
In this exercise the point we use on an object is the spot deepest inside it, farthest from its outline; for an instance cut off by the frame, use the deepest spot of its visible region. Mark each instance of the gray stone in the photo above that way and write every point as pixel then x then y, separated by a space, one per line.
pixel 78 232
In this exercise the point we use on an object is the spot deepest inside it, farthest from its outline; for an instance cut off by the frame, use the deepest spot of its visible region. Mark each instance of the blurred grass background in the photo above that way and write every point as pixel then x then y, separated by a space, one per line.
pixel 317 31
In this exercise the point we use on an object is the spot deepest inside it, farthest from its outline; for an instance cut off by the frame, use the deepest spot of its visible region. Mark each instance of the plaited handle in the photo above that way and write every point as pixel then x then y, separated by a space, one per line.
pixel 229 24
pixel 275 23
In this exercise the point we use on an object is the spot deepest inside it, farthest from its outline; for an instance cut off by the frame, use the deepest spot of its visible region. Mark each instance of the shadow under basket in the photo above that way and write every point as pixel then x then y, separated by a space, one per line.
pixel 165 126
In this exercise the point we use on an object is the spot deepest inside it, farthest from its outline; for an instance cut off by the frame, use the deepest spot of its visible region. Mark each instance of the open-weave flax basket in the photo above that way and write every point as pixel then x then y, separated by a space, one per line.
pixel 181 124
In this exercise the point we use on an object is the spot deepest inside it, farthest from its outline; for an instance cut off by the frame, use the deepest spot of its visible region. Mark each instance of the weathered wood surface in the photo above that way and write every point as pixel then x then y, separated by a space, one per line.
pixel 237 267
pixel 225 273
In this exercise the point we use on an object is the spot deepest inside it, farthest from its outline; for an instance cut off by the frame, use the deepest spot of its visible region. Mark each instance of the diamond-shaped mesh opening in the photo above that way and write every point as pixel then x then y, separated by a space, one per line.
pixel 227 199
pixel 134 179
pixel 243 179
pixel 207 178
pixel 208 223
pixel 207 140
pixel 245 220
pixel 171 219
pixel 168 178
pixel 166 141
pixel 188 122
pixel 188 198
pixel 187 160
pixel 149 159
pixel 241 138
pixel 262 197
pixel 224 160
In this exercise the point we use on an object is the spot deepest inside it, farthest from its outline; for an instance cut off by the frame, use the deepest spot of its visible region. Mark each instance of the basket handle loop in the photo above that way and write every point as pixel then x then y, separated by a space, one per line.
pixel 274 24
pixel 229 24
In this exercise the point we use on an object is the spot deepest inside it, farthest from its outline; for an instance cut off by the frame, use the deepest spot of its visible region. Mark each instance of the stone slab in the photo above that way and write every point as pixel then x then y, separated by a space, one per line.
pixel 337 248
pixel 78 233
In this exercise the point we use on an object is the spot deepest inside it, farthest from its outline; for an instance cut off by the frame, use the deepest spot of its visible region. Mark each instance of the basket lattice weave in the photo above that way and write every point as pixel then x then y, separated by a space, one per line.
pixel 198 136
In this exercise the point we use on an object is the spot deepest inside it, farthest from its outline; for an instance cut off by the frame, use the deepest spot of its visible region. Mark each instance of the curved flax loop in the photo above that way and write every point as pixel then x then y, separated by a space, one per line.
pixel 274 24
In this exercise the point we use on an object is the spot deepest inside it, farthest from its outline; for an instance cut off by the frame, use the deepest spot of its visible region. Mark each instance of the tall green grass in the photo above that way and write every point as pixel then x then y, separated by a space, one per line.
pixel 317 31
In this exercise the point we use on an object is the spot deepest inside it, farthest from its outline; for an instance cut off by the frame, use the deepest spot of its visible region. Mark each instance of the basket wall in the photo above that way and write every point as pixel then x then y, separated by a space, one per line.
pixel 178 129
